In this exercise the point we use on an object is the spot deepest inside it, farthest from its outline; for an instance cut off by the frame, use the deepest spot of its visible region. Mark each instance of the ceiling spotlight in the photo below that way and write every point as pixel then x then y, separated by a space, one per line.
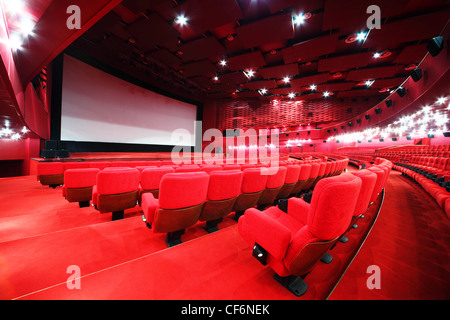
pixel 286 79
pixel 313 87
pixel 263 91
pixel 223 62
pixel 326 94
pixel 291 95
pixel 441 100
pixel 361 36
pixel 376 55
pixel 369 82
pixel 25 130
pixel 181 20
pixel 216 78
pixel 249 73
pixel 298 19
pixel 15 42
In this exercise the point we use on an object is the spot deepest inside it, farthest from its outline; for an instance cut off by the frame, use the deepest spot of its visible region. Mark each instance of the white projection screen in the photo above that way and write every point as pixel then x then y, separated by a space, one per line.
pixel 99 107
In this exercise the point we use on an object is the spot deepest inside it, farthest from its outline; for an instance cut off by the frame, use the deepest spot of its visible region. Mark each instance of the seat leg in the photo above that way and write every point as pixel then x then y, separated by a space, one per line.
pixel 327 258
pixel 84 204
pixel 174 238
pixel 117 215
pixel 148 224
pixel 211 225
pixel 294 284
pixel 343 239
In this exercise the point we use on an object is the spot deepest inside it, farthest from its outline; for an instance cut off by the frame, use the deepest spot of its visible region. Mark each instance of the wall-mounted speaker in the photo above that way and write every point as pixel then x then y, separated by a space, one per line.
pixel 388 103
pixel 350 124
pixel 401 91
pixel 377 110
pixel 358 120
pixel 381 140
pixel 367 116
pixel 335 129
pixel 408 138
pixel 394 139
pixel 416 74
pixel 342 127
pixel 430 135
pixel 447 134
pixel 434 46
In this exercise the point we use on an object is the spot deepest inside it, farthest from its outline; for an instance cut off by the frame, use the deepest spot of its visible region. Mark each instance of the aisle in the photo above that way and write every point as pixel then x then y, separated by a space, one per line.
pixel 410 243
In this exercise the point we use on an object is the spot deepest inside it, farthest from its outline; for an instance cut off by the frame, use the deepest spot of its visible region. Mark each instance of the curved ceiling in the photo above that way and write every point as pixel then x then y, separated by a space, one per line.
pixel 144 39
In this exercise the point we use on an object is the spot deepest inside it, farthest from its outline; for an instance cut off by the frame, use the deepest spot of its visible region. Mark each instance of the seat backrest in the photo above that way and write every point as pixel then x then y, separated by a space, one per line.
pixel 276 179
pixel 150 178
pixel 322 168
pixel 208 168
pixel 332 205
pixel 368 179
pixel 253 180
pixel 50 168
pixel 188 168
pixel 80 178
pixel 292 173
pixel 379 184
pixel 117 180
pixel 183 189
pixel 225 184
pixel 314 170
pixel 305 172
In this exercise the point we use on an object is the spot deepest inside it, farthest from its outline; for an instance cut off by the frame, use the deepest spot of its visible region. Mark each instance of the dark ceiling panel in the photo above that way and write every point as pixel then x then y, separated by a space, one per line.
pixel 264 31
pixel 246 61
pixel 346 62
pixel 201 49
pixel 279 72
pixel 336 86
pixel 257 85
pixel 412 54
pixel 204 67
pixel 388 83
pixel 297 6
pixel 309 49
pixel 373 73
pixel 309 80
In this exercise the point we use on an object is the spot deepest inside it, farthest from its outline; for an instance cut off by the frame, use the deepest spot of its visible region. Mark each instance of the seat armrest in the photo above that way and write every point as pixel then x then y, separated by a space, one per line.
pixel 298 209
pixel 267 232
pixel 149 206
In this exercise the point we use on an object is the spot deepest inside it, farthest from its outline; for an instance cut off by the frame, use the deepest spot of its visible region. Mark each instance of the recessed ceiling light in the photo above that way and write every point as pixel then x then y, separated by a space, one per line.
pixel 361 36
pixel 263 91
pixel 216 78
pixel 441 100
pixel 291 95
pixel 313 87
pixel 298 19
pixel 223 62
pixel 326 94
pixel 376 55
pixel 249 73
pixel 181 20
pixel 369 82
pixel 286 79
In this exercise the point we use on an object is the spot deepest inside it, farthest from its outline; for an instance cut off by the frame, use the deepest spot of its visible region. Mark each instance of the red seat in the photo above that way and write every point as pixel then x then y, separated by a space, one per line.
pixel 303 178
pixel 78 184
pixel 379 185
pixel 150 179
pixel 188 168
pixel 292 242
pixel 116 190
pixel 275 181
pixel 314 173
pixel 180 203
pixel 253 184
pixel 208 168
pixel 223 190
pixel 292 176
pixel 50 173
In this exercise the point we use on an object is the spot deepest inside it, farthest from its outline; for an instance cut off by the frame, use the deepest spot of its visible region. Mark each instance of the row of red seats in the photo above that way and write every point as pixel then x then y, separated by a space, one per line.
pixel 395 154
pixel 433 174
pixel 116 189
pixel 293 236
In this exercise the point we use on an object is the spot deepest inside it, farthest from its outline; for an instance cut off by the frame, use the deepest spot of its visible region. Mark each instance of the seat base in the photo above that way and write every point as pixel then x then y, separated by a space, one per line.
pixel 294 284
pixel 211 225
pixel 174 238
pixel 117 215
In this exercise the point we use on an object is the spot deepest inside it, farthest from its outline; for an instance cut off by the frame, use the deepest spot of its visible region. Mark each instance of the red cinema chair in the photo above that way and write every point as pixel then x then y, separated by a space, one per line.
pixel 78 184
pixel 223 190
pixel 275 181
pixel 303 177
pixel 150 179
pixel 292 177
pixel 51 173
pixel 379 184
pixel 253 184
pixel 181 199
pixel 291 242
pixel 116 190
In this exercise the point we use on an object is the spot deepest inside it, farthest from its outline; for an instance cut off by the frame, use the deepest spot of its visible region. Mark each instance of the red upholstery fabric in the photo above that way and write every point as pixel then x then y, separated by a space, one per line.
pixel 75 165
pixel 305 172
pixel 50 168
pixel 118 180
pixel 368 179
pixel 80 178
pixel 276 179
pixel 253 180
pixel 224 184
pixel 379 184
pixel 150 178
pixel 188 168
pixel 315 167
pixel 292 173
pixel 208 168
pixel 180 190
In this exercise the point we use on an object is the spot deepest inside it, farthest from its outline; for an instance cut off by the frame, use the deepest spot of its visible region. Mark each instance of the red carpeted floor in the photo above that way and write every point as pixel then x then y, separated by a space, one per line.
pixel 41 234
